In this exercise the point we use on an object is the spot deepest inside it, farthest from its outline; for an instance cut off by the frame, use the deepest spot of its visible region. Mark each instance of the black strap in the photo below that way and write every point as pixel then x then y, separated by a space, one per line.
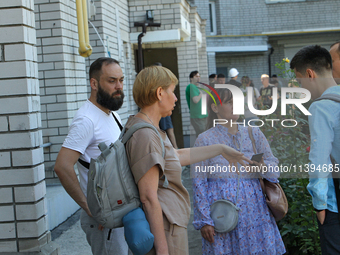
pixel 86 164
pixel 119 125
pixel 109 235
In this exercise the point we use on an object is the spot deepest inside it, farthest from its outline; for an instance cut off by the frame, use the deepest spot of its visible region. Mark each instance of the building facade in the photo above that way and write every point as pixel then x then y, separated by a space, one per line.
pixel 44 80
pixel 254 35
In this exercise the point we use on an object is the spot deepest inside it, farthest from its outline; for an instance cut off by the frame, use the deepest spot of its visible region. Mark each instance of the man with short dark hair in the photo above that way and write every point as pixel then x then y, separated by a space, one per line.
pixel 313 68
pixel 220 78
pixel 95 122
pixel 335 53
pixel 194 99
pixel 212 79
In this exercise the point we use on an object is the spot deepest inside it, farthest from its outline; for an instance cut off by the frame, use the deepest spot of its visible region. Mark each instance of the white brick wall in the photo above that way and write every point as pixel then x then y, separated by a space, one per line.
pixel 21 158
pixel 7 230
pixel 30 193
pixel 18 3
pixel 106 22
pixel 27 176
pixel 7 213
pixel 19 105
pixel 61 70
pixel 33 245
pixel 6 195
pixel 31 211
pixel 20 140
pixel 31 229
pixel 8 246
pixel 235 19
pixel 190 56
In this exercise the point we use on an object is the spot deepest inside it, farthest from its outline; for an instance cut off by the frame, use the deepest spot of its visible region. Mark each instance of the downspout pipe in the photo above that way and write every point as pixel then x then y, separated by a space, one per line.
pixel 140 52
pixel 144 25
pixel 269 61
pixel 140 49
pixel 85 49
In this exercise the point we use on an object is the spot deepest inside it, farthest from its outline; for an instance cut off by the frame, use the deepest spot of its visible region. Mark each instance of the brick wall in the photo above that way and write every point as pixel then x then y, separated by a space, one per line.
pixel 112 24
pixel 165 11
pixel 253 65
pixel 63 73
pixel 62 76
pixel 238 17
pixel 23 225
pixel 203 10
pixel 190 55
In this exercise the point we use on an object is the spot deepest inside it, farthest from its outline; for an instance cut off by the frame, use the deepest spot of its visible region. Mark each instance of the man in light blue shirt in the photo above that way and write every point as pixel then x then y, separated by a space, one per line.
pixel 313 68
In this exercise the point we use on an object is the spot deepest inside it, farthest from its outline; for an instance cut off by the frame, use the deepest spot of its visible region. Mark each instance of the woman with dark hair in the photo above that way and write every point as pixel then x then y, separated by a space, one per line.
pixel 256 231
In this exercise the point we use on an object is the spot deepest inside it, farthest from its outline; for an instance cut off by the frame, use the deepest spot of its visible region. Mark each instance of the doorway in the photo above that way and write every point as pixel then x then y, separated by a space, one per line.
pixel 168 58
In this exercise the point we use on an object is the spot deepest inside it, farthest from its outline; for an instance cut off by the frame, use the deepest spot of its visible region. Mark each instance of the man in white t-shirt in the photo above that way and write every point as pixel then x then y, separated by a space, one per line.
pixel 94 122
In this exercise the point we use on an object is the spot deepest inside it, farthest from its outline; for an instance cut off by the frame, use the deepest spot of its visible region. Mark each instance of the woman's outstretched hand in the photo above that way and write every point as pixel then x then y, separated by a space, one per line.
pixel 233 156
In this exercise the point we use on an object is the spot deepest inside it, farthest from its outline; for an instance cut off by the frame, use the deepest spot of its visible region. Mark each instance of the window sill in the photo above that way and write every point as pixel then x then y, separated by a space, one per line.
pixel 283 1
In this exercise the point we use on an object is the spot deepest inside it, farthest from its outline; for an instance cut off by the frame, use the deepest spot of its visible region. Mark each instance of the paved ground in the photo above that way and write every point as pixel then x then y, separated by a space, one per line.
pixel 71 238
pixel 72 241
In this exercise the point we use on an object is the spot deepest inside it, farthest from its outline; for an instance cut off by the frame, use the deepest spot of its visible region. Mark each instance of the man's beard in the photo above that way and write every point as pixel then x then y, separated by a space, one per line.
pixel 111 102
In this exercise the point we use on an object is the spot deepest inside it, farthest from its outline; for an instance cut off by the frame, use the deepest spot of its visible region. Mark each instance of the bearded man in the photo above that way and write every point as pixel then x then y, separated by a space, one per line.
pixel 95 122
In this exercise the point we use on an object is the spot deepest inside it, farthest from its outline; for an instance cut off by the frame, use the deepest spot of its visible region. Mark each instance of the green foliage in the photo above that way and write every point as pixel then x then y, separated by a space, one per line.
pixel 299 227
pixel 283 71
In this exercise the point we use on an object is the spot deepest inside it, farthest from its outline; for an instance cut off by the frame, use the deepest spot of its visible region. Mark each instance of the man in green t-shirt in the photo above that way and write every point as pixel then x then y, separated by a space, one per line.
pixel 194 96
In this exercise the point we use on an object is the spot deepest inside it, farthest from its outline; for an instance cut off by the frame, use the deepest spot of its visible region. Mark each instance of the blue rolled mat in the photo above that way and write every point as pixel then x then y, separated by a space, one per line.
pixel 137 232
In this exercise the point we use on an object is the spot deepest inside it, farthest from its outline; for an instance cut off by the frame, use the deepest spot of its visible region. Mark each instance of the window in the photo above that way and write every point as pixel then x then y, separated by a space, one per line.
pixel 212 14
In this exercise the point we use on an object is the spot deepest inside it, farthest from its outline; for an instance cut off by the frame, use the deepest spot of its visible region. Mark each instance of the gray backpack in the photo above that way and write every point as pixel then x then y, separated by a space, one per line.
pixel 111 189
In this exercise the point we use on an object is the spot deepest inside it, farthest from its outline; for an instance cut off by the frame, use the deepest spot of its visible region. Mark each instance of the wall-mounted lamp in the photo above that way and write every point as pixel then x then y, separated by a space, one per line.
pixel 149 16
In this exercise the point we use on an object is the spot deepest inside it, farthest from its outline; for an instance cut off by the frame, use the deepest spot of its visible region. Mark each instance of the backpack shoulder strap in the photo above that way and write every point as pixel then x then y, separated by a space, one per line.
pixel 333 97
pixel 84 163
pixel 126 136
